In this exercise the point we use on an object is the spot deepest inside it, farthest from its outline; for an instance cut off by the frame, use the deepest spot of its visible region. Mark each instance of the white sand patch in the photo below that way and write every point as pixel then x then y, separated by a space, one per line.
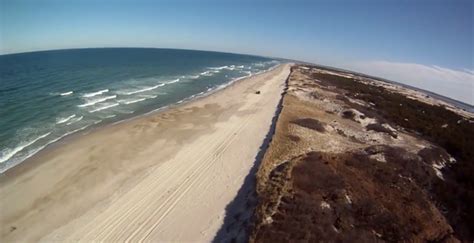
pixel 268 220
pixel 325 205
pixel 329 128
pixel 379 157
pixel 439 165
pixel 362 118
pixel 348 199
pixel 340 74
pixel 389 127
pixel 358 102
pixel 437 169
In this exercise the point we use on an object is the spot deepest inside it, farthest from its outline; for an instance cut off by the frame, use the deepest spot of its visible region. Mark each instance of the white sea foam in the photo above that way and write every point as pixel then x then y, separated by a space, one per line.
pixel 87 95
pixel 93 102
pixel 149 96
pixel 67 133
pixel 66 93
pixel 75 120
pixel 173 81
pixel 8 153
pixel 219 68
pixel 206 73
pixel 53 141
pixel 33 152
pixel 63 120
pixel 144 89
pixel 104 107
pixel 133 101
pixel 109 116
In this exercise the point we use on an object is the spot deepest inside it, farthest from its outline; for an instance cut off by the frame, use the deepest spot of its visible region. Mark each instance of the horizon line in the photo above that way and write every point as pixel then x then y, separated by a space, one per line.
pixel 459 102
pixel 141 47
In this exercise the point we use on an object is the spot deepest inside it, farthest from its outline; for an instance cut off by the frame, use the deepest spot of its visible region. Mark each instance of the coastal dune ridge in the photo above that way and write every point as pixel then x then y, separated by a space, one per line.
pixel 147 178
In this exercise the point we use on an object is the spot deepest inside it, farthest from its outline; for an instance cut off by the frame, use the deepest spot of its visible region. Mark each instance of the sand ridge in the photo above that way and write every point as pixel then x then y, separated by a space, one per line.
pixel 356 162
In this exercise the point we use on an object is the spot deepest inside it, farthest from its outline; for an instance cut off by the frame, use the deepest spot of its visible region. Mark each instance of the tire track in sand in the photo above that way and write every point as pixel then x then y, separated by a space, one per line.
pixel 130 213
pixel 213 158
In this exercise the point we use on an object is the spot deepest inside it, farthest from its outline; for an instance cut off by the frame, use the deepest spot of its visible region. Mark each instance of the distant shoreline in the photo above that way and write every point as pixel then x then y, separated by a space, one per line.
pixel 132 117
pixel 70 92
pixel 457 103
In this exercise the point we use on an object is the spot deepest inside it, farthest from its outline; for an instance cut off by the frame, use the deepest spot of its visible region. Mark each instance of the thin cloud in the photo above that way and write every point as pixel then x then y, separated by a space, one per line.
pixel 456 84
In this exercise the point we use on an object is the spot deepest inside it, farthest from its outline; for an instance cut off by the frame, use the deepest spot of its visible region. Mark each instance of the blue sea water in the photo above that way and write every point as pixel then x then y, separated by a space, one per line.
pixel 45 96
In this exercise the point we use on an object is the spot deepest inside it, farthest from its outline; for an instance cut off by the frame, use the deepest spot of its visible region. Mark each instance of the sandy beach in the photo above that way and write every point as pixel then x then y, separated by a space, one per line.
pixel 166 176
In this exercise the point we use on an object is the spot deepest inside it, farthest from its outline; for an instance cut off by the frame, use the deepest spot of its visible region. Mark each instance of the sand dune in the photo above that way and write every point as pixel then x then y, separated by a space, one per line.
pixel 162 177
pixel 345 165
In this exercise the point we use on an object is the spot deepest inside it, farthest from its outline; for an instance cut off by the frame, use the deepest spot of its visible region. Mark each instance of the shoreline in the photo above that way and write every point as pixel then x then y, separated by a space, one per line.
pixel 95 127
pixel 83 177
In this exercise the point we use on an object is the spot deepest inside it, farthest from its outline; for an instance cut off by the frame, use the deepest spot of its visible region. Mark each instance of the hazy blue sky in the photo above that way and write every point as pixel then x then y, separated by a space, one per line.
pixel 388 35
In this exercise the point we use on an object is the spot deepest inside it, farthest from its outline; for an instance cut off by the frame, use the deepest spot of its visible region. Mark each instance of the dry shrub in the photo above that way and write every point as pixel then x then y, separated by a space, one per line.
pixel 310 123
pixel 348 114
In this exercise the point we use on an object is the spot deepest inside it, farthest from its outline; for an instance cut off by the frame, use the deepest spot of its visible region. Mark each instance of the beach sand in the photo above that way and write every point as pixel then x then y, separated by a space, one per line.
pixel 166 176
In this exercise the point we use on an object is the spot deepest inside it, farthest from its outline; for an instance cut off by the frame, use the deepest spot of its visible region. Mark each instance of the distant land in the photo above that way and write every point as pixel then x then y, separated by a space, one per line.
pixel 457 103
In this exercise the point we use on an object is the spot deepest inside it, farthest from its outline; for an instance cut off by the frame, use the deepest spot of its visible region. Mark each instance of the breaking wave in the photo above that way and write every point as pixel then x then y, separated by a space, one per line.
pixel 104 107
pixel 66 93
pixel 8 153
pixel 63 120
pixel 93 102
pixel 87 95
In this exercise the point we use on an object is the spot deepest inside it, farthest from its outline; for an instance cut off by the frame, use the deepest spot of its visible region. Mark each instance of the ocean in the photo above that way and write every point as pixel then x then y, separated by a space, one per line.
pixel 48 95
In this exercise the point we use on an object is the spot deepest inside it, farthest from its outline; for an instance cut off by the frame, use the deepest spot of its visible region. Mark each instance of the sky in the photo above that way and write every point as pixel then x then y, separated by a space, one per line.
pixel 425 43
